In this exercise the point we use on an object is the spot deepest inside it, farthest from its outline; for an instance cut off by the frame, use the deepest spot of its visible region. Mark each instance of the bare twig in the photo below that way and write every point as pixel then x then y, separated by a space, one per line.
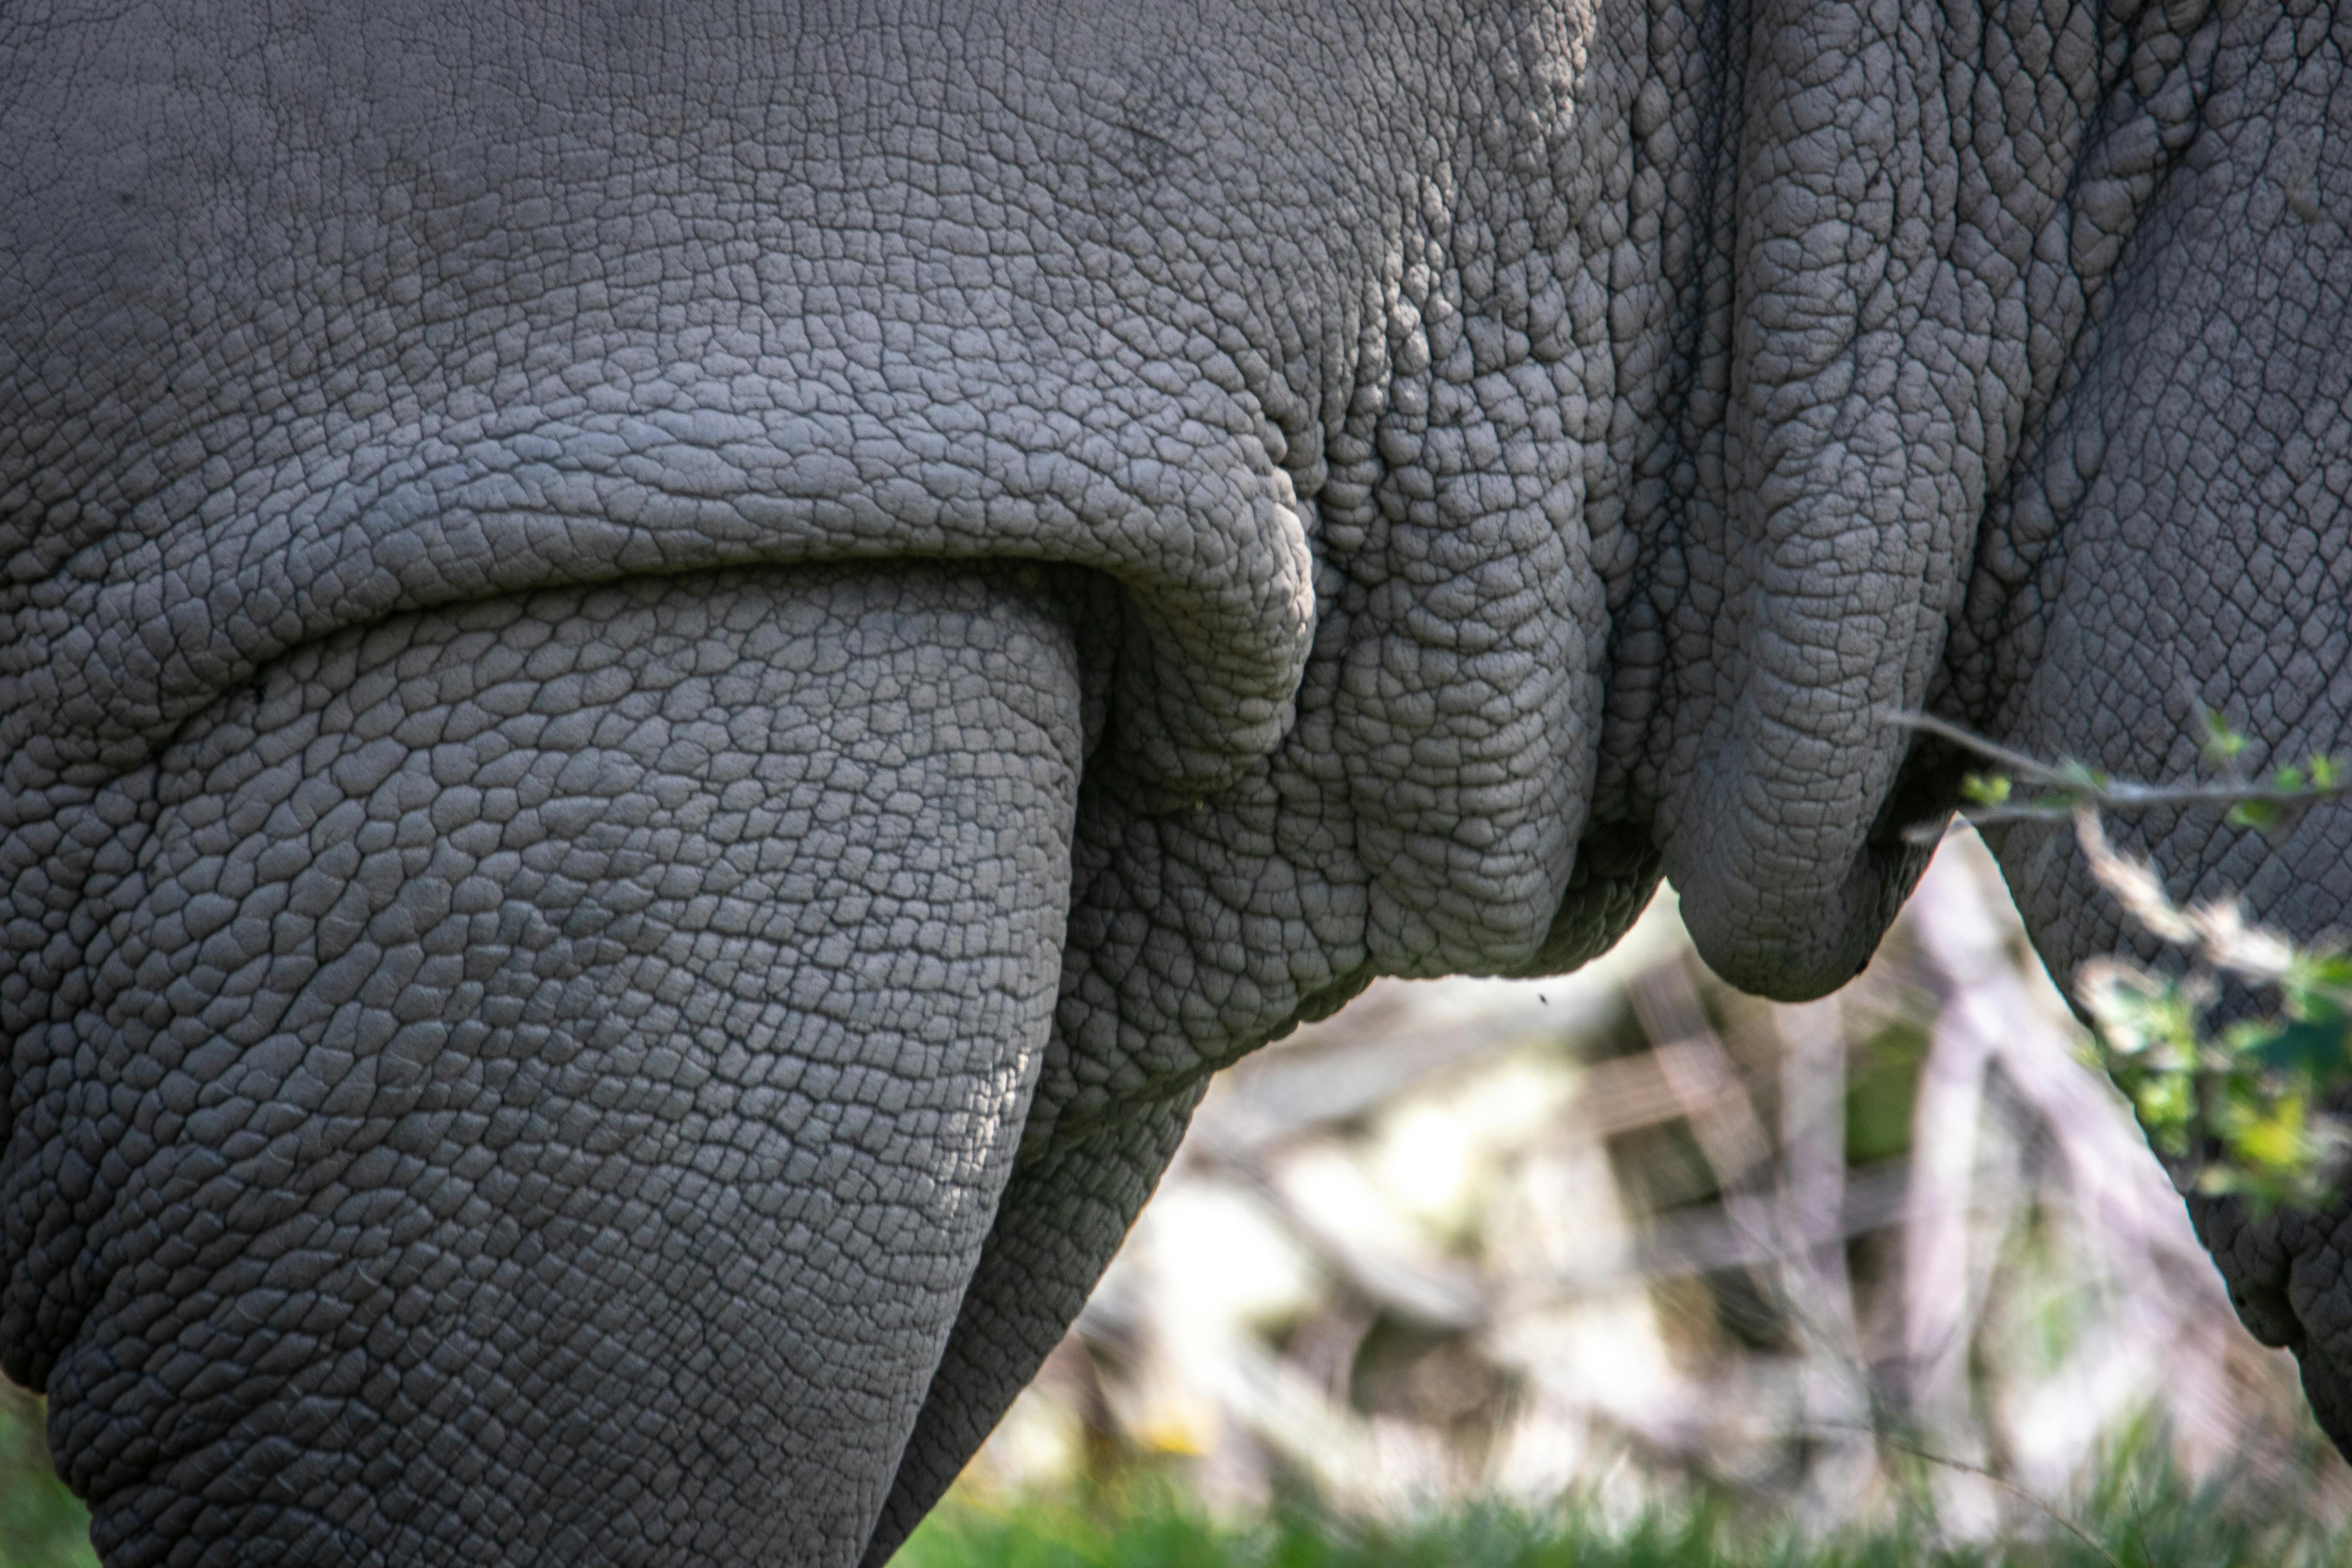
pixel 2082 785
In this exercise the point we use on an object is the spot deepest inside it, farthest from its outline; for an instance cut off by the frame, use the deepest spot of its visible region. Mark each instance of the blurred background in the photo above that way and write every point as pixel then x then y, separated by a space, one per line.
pixel 1626 1247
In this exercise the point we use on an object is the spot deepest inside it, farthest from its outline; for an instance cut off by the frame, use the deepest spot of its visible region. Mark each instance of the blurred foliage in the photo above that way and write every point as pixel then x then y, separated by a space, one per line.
pixel 2243 1097
pixel 1633 1236
pixel 1881 1091
pixel 41 1525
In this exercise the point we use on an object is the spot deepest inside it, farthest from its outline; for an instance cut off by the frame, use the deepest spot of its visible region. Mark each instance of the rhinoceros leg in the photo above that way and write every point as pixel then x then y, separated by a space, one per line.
pixel 1063 1216
pixel 542 1093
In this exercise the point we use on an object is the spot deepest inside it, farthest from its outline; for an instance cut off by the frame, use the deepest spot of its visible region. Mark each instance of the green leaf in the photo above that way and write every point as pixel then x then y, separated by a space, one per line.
pixel 2263 1191
pixel 2246 1039
pixel 2272 1140
pixel 2314 1048
pixel 2321 972
pixel 2166 1107
pixel 2260 815
pixel 2222 745
pixel 1986 790
pixel 2327 773
pixel 2287 779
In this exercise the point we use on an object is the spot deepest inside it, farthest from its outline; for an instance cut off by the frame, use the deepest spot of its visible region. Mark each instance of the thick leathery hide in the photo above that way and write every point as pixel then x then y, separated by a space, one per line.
pixel 2181 537
pixel 1043 1258
pixel 1930 204
pixel 1449 463
pixel 540 1085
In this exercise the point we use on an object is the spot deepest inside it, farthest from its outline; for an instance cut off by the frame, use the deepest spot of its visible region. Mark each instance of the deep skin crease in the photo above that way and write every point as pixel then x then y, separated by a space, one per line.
pixel 672 673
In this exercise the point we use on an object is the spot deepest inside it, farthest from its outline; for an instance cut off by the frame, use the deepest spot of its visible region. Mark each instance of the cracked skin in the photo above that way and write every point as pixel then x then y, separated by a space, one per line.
pixel 670 674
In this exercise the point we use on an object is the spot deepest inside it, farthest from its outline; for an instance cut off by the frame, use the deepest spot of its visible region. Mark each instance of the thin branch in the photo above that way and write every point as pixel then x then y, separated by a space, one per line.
pixel 2083 786
pixel 1992 751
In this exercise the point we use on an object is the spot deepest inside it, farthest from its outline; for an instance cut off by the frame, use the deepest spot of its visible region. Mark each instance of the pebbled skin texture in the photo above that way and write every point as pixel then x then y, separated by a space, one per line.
pixel 1152 514
pixel 2181 534
pixel 585 1097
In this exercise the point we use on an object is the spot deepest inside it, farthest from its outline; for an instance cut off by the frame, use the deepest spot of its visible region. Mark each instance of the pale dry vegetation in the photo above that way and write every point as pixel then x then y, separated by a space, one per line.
pixel 1897 1259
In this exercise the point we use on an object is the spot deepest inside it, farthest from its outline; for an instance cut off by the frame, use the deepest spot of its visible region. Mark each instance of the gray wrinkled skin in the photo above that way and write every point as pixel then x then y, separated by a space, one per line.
pixel 672 672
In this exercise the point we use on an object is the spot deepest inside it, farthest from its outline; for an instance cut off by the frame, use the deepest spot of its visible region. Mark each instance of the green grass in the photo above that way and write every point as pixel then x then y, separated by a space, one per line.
pixel 2141 1514
pixel 1034 1535
pixel 2138 1515
pixel 41 1525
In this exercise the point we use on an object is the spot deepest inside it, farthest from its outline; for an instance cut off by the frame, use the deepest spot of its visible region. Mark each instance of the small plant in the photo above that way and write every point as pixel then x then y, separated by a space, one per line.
pixel 2250 1093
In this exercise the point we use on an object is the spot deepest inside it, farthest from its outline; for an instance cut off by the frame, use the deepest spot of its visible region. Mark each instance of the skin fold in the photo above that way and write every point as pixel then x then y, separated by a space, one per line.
pixel 672 673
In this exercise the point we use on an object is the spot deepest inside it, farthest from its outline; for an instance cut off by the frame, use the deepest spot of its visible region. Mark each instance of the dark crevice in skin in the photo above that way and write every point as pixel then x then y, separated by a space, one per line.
pixel 1927 793
pixel 1317 1005
pixel 1901 840
pixel 1617 870
pixel 1669 492
pixel 2003 624
pixel 2258 1296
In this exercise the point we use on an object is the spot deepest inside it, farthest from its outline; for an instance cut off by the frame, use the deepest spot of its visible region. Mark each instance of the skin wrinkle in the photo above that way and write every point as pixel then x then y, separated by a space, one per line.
pixel 1442 468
